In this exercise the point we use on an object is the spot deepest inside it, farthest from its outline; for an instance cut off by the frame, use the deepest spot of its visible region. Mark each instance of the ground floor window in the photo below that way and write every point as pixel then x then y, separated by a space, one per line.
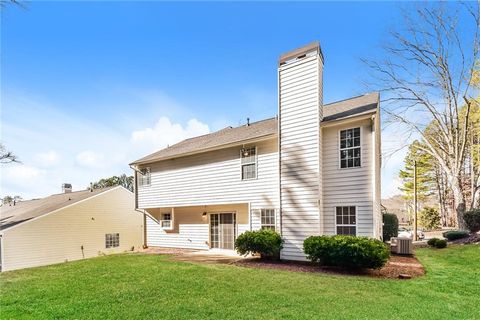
pixel 166 220
pixel 112 240
pixel 346 220
pixel 267 218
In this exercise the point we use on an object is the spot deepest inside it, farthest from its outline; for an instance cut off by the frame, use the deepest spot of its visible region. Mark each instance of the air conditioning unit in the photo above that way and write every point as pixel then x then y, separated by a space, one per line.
pixel 401 245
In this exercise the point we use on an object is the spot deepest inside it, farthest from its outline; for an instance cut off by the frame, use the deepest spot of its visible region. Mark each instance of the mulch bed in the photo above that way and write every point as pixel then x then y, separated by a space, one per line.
pixel 397 267
pixel 471 239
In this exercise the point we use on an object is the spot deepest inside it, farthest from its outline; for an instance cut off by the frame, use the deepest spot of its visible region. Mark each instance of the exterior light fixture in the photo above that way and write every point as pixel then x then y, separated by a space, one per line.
pixel 204 216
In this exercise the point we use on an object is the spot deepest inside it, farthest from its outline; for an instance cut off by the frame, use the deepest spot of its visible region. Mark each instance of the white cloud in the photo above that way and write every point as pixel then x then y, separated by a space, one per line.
pixel 47 159
pixel 85 147
pixel 89 159
pixel 391 188
pixel 395 141
pixel 167 133
pixel 22 175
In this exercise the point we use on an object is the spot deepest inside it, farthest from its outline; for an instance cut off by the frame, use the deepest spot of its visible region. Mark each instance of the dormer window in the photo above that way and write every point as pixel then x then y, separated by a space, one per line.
pixel 249 163
pixel 350 150
pixel 144 178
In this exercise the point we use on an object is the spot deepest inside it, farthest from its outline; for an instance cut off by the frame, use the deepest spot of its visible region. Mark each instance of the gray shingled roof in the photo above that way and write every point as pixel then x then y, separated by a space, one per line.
pixel 226 136
pixel 351 107
pixel 23 211
pixel 262 129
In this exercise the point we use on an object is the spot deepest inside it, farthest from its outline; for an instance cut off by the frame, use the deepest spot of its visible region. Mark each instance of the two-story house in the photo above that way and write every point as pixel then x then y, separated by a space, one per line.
pixel 314 169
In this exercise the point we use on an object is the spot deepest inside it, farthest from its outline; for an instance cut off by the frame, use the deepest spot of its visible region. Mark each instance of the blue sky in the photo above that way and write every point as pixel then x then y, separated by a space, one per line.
pixel 88 87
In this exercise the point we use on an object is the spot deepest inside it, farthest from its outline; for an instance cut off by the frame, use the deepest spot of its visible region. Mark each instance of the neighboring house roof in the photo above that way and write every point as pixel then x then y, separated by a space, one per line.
pixel 22 211
pixel 258 130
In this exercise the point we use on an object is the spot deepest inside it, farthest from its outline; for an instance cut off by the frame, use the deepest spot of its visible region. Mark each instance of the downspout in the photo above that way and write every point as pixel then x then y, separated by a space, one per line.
pixel 279 116
pixel 135 191
pixel 135 182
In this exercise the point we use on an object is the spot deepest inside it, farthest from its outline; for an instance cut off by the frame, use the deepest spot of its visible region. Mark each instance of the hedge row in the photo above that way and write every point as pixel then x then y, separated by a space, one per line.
pixel 340 251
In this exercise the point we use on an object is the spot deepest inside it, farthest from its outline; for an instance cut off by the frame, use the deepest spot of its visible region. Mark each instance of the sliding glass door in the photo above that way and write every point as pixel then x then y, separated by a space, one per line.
pixel 222 230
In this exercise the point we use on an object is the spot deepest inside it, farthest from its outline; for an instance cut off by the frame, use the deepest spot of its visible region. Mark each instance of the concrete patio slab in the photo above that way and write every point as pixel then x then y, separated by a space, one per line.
pixel 198 256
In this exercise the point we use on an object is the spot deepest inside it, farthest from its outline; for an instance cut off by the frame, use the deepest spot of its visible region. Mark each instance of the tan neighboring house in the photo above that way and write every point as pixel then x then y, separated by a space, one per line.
pixel 69 226
pixel 312 170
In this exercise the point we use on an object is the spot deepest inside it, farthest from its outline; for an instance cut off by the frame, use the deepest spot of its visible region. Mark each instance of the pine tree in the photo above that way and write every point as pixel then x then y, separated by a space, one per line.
pixel 425 173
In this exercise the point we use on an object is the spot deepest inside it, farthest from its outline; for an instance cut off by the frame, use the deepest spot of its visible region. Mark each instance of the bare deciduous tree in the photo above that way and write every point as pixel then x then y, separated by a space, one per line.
pixel 7 156
pixel 3 3
pixel 425 79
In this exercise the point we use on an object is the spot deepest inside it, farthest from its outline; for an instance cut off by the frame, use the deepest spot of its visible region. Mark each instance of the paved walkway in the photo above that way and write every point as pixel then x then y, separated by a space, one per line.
pixel 200 256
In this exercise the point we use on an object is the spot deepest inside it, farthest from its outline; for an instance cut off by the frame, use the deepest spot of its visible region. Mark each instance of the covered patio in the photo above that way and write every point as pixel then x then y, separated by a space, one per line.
pixel 196 227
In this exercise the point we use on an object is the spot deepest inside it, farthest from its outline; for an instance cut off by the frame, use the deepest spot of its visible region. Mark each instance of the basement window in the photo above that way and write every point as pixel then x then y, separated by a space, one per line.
pixel 249 163
pixel 144 177
pixel 112 240
pixel 350 149
pixel 166 222
pixel 267 219
pixel 346 220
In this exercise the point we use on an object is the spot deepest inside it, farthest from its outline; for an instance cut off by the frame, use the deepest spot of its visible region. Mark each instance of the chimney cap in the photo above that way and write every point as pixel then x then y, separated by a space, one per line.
pixel 314 46
pixel 66 187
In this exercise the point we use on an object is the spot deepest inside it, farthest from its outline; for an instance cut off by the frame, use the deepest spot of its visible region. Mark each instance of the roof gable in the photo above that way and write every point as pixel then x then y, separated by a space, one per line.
pixel 264 129
pixel 23 211
pixel 227 136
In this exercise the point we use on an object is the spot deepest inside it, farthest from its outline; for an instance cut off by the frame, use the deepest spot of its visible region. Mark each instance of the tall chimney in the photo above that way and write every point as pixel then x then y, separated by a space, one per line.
pixel 66 188
pixel 300 74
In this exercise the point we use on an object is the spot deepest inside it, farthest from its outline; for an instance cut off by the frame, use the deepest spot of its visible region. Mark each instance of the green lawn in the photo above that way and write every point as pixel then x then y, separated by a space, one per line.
pixel 135 286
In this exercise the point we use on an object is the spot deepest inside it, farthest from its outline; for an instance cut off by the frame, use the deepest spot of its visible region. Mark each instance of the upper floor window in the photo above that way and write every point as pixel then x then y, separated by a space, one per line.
pixel 350 148
pixel 144 178
pixel 249 163
pixel 346 220
pixel 267 219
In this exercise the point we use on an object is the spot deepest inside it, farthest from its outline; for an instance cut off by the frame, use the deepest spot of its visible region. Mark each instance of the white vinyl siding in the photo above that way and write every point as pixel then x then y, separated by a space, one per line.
pixel 300 113
pixel 75 232
pixel 212 178
pixel 348 187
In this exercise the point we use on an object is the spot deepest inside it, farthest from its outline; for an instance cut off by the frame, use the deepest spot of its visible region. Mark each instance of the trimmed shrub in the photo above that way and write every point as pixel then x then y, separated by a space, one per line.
pixel 432 242
pixel 455 234
pixel 429 218
pixel 440 244
pixel 390 226
pixel 472 220
pixel 346 251
pixel 265 242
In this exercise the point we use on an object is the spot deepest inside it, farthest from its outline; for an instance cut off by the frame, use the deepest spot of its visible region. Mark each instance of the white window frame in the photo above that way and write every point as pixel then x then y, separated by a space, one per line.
pixel 145 174
pixel 112 243
pixel 339 153
pixel 163 220
pixel 269 225
pixel 342 224
pixel 249 163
